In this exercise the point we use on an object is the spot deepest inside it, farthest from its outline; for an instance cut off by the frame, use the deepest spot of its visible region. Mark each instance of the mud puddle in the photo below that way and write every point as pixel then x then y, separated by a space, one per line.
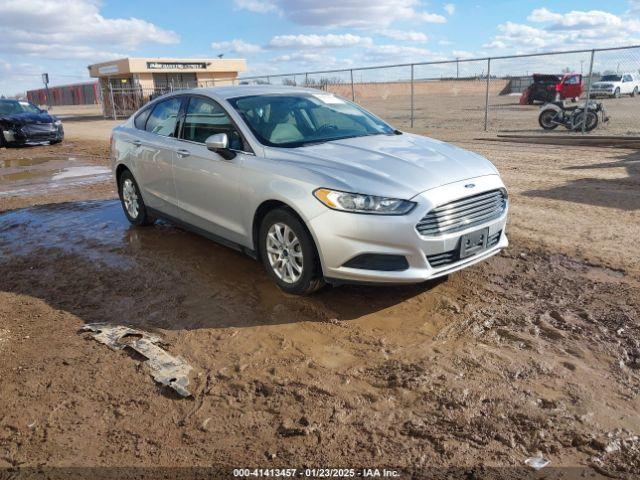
pixel 37 175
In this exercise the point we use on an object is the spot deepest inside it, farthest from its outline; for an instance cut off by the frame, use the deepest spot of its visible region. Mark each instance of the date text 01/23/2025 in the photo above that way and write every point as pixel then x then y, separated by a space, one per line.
pixel 317 472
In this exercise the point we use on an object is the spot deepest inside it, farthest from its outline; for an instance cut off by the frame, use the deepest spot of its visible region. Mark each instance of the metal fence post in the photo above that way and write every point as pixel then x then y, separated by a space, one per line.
pixel 486 96
pixel 353 91
pixel 306 79
pixel 586 105
pixel 113 103
pixel 412 97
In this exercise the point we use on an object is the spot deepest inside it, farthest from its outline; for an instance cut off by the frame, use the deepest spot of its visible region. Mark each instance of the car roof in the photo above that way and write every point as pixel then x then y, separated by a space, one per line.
pixel 227 92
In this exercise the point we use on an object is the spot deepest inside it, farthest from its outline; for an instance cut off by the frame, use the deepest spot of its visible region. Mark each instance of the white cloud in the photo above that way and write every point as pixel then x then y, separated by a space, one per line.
pixel 574 19
pixel 404 35
pixel 450 8
pixel 397 53
pixel 344 13
pixel 571 30
pixel 462 54
pixel 318 41
pixel 257 6
pixel 430 17
pixel 72 29
pixel 236 46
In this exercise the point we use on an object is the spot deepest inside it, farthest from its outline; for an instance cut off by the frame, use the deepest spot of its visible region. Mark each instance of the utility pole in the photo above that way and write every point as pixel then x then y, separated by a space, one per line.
pixel 45 80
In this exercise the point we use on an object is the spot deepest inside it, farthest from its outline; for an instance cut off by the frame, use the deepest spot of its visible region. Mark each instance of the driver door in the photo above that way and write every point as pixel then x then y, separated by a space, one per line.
pixel 207 185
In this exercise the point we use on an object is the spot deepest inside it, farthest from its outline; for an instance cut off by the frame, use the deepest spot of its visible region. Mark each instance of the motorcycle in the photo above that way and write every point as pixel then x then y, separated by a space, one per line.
pixel 571 117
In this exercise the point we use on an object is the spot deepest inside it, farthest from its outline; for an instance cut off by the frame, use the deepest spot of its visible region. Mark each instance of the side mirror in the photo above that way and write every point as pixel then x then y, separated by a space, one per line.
pixel 219 143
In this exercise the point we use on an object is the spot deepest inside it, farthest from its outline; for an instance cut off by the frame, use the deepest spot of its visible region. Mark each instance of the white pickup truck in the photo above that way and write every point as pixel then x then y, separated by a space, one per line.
pixel 615 85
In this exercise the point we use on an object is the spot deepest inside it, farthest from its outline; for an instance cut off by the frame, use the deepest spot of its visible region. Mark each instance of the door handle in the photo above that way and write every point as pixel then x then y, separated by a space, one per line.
pixel 183 153
pixel 136 143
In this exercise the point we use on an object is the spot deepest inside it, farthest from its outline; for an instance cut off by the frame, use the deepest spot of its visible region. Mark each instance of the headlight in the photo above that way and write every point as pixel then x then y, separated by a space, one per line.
pixel 359 203
pixel 57 123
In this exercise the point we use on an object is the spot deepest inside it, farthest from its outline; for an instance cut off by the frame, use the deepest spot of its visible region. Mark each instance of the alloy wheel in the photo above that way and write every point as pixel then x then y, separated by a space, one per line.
pixel 130 198
pixel 284 252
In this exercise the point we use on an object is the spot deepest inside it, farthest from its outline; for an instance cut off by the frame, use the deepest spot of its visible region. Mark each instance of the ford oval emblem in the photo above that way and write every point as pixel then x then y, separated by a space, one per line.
pixel 470 185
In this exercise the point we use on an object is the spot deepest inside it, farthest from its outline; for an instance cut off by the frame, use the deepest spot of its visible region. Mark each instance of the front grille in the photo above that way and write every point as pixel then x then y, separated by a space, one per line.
pixel 35 128
pixel 452 256
pixel 463 213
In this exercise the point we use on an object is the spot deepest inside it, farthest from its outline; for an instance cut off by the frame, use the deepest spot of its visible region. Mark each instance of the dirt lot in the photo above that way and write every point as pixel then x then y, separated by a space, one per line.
pixel 534 352
pixel 443 107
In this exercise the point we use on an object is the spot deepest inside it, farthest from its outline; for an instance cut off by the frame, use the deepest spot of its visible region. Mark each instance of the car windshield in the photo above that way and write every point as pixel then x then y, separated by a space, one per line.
pixel 296 120
pixel 611 78
pixel 13 107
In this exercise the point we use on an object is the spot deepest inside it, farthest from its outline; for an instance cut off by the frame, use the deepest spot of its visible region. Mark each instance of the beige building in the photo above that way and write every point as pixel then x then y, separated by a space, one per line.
pixel 127 84
pixel 160 73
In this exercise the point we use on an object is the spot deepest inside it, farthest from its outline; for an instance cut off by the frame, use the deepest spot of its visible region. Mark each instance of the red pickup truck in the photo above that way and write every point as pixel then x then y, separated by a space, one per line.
pixel 549 88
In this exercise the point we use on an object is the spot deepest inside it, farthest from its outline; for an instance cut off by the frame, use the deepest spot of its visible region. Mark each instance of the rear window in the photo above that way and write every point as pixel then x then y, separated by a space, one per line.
pixel 164 117
pixel 141 119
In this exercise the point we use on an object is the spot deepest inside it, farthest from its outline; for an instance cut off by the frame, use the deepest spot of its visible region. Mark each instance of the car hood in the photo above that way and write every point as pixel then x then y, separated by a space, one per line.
pixel 600 84
pixel 25 118
pixel 400 166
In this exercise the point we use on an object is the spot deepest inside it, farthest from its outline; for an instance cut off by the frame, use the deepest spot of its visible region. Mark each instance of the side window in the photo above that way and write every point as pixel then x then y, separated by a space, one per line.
pixel 627 78
pixel 141 119
pixel 162 120
pixel 205 118
pixel 575 80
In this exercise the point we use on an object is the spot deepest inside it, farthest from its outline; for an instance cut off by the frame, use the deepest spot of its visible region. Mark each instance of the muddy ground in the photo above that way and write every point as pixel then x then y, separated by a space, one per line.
pixel 533 352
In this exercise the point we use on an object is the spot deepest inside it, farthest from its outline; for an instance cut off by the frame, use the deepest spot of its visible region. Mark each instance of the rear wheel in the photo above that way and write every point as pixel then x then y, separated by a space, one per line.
pixel 289 254
pixel 131 199
pixel 635 91
pixel 546 119
pixel 2 143
pixel 616 93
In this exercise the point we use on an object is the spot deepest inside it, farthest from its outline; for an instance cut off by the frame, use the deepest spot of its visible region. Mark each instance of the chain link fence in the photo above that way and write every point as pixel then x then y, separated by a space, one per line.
pixel 485 94
pixel 461 95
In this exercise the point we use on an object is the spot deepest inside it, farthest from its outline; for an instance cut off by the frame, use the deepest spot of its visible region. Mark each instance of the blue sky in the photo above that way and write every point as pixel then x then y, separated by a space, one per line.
pixel 63 36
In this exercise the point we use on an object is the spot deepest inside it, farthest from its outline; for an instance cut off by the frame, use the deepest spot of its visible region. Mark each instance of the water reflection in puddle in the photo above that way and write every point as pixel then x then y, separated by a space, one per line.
pixel 27 176
pixel 94 229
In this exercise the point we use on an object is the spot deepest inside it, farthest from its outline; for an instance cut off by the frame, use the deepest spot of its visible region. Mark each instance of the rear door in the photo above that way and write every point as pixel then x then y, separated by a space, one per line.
pixel 207 185
pixel 154 154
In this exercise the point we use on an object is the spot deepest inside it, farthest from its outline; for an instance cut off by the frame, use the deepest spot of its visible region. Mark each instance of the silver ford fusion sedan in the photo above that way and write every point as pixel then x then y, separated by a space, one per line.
pixel 317 188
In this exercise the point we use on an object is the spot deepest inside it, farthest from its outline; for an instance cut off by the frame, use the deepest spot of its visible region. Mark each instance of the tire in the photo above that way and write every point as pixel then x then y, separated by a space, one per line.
pixel 2 142
pixel 635 91
pixel 592 121
pixel 131 200
pixel 616 93
pixel 545 119
pixel 281 259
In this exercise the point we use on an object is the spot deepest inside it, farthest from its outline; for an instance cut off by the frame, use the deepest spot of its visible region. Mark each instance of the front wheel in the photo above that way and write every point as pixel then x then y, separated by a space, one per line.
pixel 546 119
pixel 131 199
pixel 591 121
pixel 616 93
pixel 289 254
pixel 635 91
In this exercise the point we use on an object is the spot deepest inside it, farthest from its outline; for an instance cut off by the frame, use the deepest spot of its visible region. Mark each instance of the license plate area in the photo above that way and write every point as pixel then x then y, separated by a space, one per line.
pixel 473 243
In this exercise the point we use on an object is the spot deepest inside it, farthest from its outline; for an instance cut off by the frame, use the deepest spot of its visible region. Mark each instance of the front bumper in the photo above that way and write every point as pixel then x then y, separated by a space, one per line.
pixel 29 135
pixel 342 236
